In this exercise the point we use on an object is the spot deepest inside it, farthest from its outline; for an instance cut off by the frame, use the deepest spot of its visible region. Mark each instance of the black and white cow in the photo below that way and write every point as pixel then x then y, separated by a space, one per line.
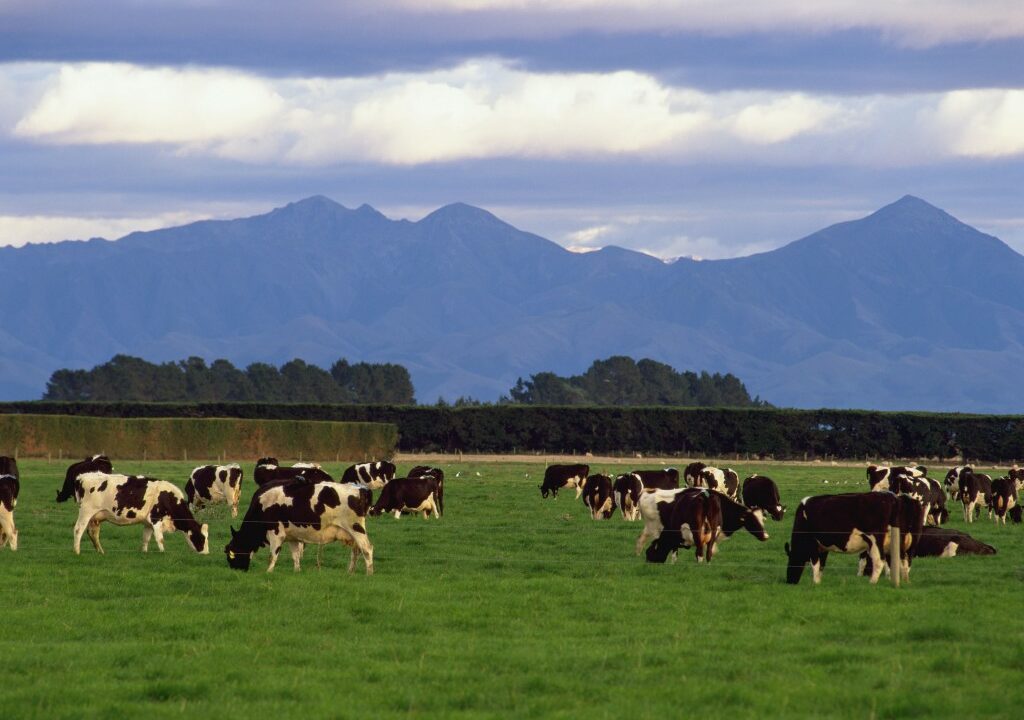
pixel 157 505
pixel 938 514
pixel 691 474
pixel 761 493
pixel 557 477
pixel 210 484
pixel 9 466
pixel 662 508
pixel 942 542
pixel 413 495
pixel 975 491
pixel 723 480
pixel 1004 497
pixel 298 512
pixel 1017 475
pixel 627 490
pixel 903 481
pixel 598 497
pixel 9 488
pixel 268 470
pixel 96 463
pixel 373 475
pixel 884 474
pixel 667 479
pixel 851 523
pixel 952 481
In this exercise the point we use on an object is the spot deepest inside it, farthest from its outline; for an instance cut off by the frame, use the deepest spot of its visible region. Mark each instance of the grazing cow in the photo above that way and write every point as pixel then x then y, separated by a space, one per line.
pixel 662 508
pixel 937 513
pixel 373 475
pixel 691 475
pixel 9 466
pixel 598 497
pixel 96 463
pixel 884 475
pixel 627 490
pixel 761 493
pixel 941 542
pixel 414 495
pixel 158 505
pixel 9 487
pixel 1004 497
pixel 723 480
pixel 215 483
pixel 560 476
pixel 851 523
pixel 298 512
pixel 975 490
pixel 952 481
pixel 667 479
pixel 269 471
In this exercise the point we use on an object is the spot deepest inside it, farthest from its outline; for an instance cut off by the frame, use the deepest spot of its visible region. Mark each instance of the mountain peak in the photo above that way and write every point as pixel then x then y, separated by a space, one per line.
pixel 914 209
pixel 312 204
pixel 460 212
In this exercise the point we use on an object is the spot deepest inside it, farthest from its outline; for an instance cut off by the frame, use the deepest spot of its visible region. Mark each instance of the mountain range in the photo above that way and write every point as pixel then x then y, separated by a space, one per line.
pixel 907 308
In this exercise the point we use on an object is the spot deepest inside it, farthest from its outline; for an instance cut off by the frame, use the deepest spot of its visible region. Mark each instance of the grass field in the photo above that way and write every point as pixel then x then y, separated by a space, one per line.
pixel 509 606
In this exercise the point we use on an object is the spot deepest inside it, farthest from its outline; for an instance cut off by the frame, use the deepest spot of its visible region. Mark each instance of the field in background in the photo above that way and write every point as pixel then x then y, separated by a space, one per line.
pixel 509 605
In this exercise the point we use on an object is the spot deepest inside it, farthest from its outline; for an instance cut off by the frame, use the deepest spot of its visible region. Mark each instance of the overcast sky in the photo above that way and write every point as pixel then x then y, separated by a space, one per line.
pixel 708 128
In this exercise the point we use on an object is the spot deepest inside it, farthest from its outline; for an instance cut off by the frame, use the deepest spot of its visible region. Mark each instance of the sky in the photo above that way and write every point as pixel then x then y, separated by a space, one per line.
pixel 701 128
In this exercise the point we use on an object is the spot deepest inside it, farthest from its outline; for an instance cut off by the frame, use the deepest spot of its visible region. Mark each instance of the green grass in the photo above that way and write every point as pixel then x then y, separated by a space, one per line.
pixel 509 606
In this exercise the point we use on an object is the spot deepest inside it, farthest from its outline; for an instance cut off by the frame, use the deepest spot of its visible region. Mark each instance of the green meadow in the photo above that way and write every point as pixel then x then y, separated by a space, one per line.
pixel 508 606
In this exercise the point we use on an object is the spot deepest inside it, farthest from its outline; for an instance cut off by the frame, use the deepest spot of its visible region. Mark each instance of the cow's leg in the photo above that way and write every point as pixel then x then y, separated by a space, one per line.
pixel 877 563
pixel 398 514
pixel 579 490
pixel 158 535
pixel 147 535
pixel 642 540
pixel 94 535
pixel 968 512
pixel 80 527
pixel 8 533
pixel 274 541
pixel 296 547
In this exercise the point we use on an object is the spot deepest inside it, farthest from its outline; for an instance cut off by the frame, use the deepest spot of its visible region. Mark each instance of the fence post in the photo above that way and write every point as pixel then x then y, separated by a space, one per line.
pixel 895 567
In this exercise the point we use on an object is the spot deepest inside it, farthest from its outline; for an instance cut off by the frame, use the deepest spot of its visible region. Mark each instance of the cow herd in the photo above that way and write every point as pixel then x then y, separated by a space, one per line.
pixel 301 504
pixel 292 505
pixel 712 504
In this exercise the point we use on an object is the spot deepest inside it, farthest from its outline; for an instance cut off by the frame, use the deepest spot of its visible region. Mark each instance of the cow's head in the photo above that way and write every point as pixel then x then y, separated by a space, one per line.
pixel 753 521
pixel 199 538
pixel 238 559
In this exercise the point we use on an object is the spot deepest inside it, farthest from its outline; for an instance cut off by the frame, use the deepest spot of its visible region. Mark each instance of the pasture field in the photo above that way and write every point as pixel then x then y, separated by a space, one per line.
pixel 508 606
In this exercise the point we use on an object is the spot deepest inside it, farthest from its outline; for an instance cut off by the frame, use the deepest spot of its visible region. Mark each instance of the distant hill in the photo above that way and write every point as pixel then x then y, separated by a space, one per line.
pixel 907 308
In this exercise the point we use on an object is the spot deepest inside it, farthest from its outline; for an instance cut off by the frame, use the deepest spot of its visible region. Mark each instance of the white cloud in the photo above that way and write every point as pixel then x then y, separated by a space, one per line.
pixel 490 109
pixel 18 230
pixel 918 22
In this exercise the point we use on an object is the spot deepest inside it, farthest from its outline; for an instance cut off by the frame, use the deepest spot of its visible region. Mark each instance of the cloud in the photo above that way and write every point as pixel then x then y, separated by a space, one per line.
pixel 18 230
pixel 985 123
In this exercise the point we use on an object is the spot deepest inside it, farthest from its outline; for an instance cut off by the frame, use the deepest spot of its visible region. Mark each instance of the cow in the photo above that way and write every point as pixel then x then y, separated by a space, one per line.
pixel 761 493
pixel 952 481
pixel 268 470
pixel 883 474
pixel 299 512
pixel 723 480
pixel 1015 473
pixel 157 505
pixel 96 463
pixel 974 490
pixel 414 495
pixel 661 509
pixel 627 490
pixel 427 471
pixel 903 481
pixel 598 497
pixel 215 483
pixel 1004 497
pixel 851 523
pixel 9 466
pixel 373 475
pixel 9 488
pixel 938 514
pixel 560 476
pixel 941 542
pixel 667 479
pixel 691 475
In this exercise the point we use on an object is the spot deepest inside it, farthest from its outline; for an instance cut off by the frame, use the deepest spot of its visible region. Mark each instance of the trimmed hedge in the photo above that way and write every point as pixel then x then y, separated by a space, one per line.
pixel 783 434
pixel 193 438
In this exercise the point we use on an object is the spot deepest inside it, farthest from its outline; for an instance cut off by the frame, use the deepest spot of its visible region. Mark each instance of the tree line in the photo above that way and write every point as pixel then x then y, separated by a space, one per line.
pixel 125 378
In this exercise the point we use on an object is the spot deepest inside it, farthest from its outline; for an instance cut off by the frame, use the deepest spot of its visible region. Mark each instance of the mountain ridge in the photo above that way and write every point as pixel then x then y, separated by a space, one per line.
pixel 906 308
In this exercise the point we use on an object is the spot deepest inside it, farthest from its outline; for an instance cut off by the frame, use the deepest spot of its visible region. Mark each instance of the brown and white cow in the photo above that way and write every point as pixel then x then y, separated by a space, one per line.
pixel 627 490
pixel 598 497
pixel 667 479
pixel 557 477
pixel 723 480
pixel 373 475
pixel 975 492
pixel 943 542
pixel 210 484
pixel 1004 497
pixel 96 463
pixel 761 493
pixel 852 523
pixel 157 505
pixel 299 513
pixel 412 495
pixel 691 474
pixel 9 487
